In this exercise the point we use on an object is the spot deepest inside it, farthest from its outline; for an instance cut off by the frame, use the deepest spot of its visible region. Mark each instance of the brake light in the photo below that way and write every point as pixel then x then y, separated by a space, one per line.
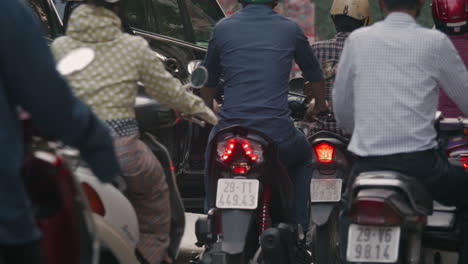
pixel 371 211
pixel 464 161
pixel 95 202
pixel 239 170
pixel 324 152
pixel 250 149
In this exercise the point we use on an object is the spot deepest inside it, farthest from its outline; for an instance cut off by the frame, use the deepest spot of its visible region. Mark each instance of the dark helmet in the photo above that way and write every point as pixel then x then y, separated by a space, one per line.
pixel 450 16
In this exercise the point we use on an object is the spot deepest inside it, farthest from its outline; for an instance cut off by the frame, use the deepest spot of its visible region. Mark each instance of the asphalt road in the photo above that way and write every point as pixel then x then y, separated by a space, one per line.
pixel 189 250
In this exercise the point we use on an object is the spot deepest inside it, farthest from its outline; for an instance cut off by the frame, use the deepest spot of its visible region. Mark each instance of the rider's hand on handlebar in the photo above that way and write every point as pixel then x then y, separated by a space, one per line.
pixel 313 109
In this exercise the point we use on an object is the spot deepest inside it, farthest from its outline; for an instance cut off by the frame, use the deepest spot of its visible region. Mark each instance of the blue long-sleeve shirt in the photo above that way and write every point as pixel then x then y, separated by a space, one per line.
pixel 28 79
pixel 253 50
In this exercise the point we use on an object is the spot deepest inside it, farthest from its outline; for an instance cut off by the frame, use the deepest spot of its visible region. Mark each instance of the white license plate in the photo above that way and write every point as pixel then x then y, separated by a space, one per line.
pixel 237 194
pixel 373 244
pixel 325 190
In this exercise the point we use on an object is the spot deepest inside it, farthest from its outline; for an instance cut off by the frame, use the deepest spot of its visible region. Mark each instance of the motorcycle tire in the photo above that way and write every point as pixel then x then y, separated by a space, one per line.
pixel 325 241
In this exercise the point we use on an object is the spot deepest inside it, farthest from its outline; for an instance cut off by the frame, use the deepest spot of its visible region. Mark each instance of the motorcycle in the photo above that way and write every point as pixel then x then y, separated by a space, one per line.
pixel 394 219
pixel 251 222
pixel 331 162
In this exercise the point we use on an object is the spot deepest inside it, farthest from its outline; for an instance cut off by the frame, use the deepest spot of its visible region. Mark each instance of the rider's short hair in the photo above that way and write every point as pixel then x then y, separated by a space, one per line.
pixel 345 23
pixel 401 4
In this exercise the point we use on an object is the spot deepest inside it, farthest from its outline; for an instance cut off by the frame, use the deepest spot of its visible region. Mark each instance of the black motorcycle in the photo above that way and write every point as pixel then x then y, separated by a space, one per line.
pixel 331 163
pixel 394 219
pixel 252 219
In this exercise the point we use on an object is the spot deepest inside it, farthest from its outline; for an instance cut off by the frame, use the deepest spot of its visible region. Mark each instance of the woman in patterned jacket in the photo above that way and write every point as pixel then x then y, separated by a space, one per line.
pixel 109 86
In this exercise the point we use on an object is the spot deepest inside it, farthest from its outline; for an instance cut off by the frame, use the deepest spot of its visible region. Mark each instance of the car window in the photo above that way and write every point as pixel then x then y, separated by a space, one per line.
pixel 167 18
pixel 204 14
pixel 135 14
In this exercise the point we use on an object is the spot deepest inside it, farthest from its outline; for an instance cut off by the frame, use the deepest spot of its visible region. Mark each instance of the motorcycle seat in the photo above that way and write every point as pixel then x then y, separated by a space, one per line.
pixel 417 195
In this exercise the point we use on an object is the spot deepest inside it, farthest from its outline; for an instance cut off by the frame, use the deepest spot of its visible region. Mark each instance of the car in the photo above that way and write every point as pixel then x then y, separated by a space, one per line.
pixel 178 31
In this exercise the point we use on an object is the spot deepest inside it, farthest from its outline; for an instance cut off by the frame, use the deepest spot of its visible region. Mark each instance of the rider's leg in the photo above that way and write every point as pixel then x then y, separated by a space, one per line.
pixel 149 194
pixel 295 154
pixel 208 202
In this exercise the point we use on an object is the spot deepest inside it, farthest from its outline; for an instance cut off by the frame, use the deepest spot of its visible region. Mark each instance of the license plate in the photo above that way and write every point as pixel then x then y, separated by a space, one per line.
pixel 373 244
pixel 237 194
pixel 325 190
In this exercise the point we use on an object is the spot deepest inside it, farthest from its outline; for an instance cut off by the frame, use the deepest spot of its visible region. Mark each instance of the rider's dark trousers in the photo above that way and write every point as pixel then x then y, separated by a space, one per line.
pixel 25 253
pixel 296 155
pixel 447 184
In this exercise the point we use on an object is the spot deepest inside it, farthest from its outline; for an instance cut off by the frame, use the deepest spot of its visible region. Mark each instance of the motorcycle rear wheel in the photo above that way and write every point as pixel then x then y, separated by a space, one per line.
pixel 325 241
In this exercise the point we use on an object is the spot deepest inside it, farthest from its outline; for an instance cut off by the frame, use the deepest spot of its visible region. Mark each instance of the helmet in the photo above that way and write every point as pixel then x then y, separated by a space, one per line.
pixel 357 9
pixel 450 15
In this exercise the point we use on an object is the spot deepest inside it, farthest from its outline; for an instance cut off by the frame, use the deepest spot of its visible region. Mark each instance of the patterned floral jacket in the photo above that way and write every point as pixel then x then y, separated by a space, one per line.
pixel 109 83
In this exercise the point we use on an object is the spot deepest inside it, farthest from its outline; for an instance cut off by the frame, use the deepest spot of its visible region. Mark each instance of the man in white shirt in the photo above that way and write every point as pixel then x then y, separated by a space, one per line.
pixel 386 95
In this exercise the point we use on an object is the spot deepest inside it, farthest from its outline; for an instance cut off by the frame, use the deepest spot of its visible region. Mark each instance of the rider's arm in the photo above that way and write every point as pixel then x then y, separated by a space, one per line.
pixel 211 62
pixel 343 90
pixel 30 79
pixel 311 70
pixel 453 75
pixel 161 85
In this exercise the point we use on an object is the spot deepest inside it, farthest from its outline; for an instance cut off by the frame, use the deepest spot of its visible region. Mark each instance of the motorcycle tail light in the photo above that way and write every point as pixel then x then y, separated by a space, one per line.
pixel 464 161
pixel 95 202
pixel 324 152
pixel 240 169
pixel 371 211
pixel 252 150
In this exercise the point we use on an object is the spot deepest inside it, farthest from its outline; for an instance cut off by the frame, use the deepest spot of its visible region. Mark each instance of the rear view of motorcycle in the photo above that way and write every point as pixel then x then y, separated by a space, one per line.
pixel 250 223
pixel 331 166
pixel 394 219
pixel 331 163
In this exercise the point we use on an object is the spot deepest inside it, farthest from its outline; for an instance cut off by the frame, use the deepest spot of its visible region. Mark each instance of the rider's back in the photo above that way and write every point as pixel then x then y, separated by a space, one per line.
pixel 406 69
pixel 256 48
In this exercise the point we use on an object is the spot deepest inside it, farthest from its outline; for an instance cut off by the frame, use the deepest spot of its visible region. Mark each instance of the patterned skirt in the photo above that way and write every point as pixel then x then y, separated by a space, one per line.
pixel 149 194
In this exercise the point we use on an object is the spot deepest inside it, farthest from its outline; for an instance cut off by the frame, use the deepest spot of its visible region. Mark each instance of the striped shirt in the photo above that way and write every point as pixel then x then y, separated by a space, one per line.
pixel 328 53
pixel 446 105
pixel 386 88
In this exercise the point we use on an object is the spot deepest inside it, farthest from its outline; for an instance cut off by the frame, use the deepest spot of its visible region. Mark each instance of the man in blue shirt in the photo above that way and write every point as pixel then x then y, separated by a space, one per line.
pixel 28 79
pixel 253 50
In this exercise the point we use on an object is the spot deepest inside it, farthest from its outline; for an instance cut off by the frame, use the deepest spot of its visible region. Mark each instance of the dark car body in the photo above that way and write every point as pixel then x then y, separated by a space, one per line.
pixel 178 31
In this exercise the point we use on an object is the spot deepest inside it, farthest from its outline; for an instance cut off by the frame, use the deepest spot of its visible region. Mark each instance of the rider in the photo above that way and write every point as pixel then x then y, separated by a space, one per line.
pixel 109 86
pixel 451 18
pixel 253 50
pixel 347 15
pixel 29 80
pixel 387 97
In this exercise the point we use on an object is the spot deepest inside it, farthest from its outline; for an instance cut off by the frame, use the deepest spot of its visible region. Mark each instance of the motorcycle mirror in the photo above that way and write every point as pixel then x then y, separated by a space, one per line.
pixel 75 61
pixel 193 65
pixel 199 77
pixel 296 85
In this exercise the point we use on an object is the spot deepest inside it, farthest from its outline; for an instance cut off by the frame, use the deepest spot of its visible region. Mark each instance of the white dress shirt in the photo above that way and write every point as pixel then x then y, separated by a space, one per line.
pixel 385 91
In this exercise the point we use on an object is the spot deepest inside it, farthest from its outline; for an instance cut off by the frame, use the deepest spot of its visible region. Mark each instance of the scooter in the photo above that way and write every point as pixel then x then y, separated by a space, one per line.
pixel 394 219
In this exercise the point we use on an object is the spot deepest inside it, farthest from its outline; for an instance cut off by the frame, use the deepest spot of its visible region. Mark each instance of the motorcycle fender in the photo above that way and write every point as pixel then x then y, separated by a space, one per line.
pixel 320 212
pixel 235 227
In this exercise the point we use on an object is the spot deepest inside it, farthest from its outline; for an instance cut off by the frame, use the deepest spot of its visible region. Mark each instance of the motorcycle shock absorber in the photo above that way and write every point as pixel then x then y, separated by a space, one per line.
pixel 265 220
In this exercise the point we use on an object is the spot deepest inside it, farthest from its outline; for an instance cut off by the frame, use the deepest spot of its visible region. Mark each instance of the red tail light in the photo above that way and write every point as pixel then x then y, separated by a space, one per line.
pixel 371 211
pixel 240 169
pixel 464 161
pixel 250 149
pixel 324 152
pixel 95 202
